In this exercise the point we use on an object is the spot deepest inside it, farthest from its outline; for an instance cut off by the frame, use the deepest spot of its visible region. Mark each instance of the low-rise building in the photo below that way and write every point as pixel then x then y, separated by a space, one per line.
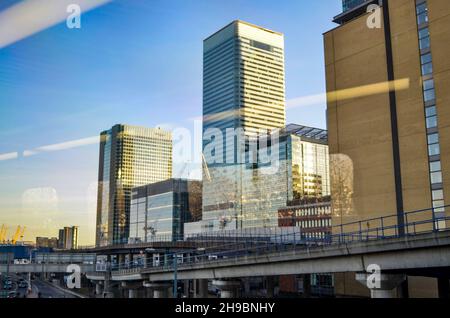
pixel 47 242
pixel 159 210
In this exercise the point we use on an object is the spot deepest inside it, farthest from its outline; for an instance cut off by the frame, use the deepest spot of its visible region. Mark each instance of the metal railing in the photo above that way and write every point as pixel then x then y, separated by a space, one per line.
pixel 414 223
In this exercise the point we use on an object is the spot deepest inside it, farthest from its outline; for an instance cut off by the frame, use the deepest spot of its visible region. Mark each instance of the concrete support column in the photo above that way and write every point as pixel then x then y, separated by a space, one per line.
pixel 270 286
pixel 307 285
pixel 146 260
pixel 159 290
pixel 444 288
pixel 132 293
pixel 130 259
pixel 387 284
pixel 121 260
pixel 98 289
pixel 186 288
pixel 247 288
pixel 148 289
pixel 201 288
pixel 228 288
pixel 131 289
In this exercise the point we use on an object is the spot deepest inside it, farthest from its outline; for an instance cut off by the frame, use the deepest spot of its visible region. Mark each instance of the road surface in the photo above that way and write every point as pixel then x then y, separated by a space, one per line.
pixel 48 291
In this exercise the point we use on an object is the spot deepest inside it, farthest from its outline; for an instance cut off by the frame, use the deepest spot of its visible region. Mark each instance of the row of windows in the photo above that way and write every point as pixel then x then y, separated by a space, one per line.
pixel 316 235
pixel 314 223
pixel 429 96
pixel 350 4
pixel 422 13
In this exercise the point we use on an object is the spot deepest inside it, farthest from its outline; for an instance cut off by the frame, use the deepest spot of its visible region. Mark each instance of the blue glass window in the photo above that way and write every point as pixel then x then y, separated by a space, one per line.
pixel 429 84
pixel 434 150
pixel 424 43
pixel 427 69
pixel 430 111
pixel 429 95
pixel 438 195
pixel 433 139
pixel 425 58
pixel 436 177
pixel 432 122
pixel 421 8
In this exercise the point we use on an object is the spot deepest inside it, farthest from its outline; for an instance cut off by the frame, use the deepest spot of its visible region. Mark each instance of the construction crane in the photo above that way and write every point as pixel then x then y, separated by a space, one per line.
pixel 19 233
pixel 3 231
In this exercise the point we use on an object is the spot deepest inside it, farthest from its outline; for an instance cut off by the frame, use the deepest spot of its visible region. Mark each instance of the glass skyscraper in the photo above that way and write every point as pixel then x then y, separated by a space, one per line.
pixel 243 79
pixel 243 88
pixel 130 156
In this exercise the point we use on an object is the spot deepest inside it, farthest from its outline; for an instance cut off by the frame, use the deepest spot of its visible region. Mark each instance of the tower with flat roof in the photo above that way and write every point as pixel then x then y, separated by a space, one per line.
pixel 243 89
pixel 130 156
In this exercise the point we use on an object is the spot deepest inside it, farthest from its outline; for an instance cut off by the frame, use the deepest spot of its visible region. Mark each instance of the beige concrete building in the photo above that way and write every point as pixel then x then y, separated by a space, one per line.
pixel 388 74
pixel 395 142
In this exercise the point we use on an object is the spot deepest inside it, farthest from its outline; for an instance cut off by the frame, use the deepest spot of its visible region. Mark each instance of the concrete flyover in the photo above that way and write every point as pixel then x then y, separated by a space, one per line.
pixel 43 268
pixel 158 246
pixel 431 250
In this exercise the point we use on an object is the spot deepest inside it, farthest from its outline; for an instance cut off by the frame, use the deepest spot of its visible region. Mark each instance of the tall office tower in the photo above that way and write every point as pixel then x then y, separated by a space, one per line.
pixel 130 156
pixel 68 238
pixel 243 78
pixel 393 145
pixel 61 238
pixel 243 87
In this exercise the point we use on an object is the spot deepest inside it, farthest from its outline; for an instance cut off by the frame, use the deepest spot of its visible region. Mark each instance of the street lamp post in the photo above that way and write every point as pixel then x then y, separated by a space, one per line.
pixel 175 278
pixel 29 273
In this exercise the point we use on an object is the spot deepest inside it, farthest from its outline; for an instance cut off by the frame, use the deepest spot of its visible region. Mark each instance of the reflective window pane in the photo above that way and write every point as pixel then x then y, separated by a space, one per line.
pixel 422 18
pixel 432 122
pixel 438 207
pixel 429 95
pixel 429 84
pixel 433 139
pixel 436 177
pixel 427 69
pixel 421 8
pixel 438 195
pixel 435 166
pixel 424 43
pixel 426 58
pixel 434 150
pixel 423 33
pixel 430 111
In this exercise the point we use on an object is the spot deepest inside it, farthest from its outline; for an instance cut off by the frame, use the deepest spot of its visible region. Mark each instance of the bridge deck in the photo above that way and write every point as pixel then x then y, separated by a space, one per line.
pixel 420 251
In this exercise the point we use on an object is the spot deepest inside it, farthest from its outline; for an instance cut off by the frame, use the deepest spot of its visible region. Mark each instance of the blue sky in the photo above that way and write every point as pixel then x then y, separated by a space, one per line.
pixel 133 61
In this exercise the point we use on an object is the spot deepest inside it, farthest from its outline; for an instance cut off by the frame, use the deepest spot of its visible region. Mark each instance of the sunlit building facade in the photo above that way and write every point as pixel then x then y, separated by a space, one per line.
pixel 301 170
pixel 68 238
pixel 312 215
pixel 46 242
pixel 397 142
pixel 130 156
